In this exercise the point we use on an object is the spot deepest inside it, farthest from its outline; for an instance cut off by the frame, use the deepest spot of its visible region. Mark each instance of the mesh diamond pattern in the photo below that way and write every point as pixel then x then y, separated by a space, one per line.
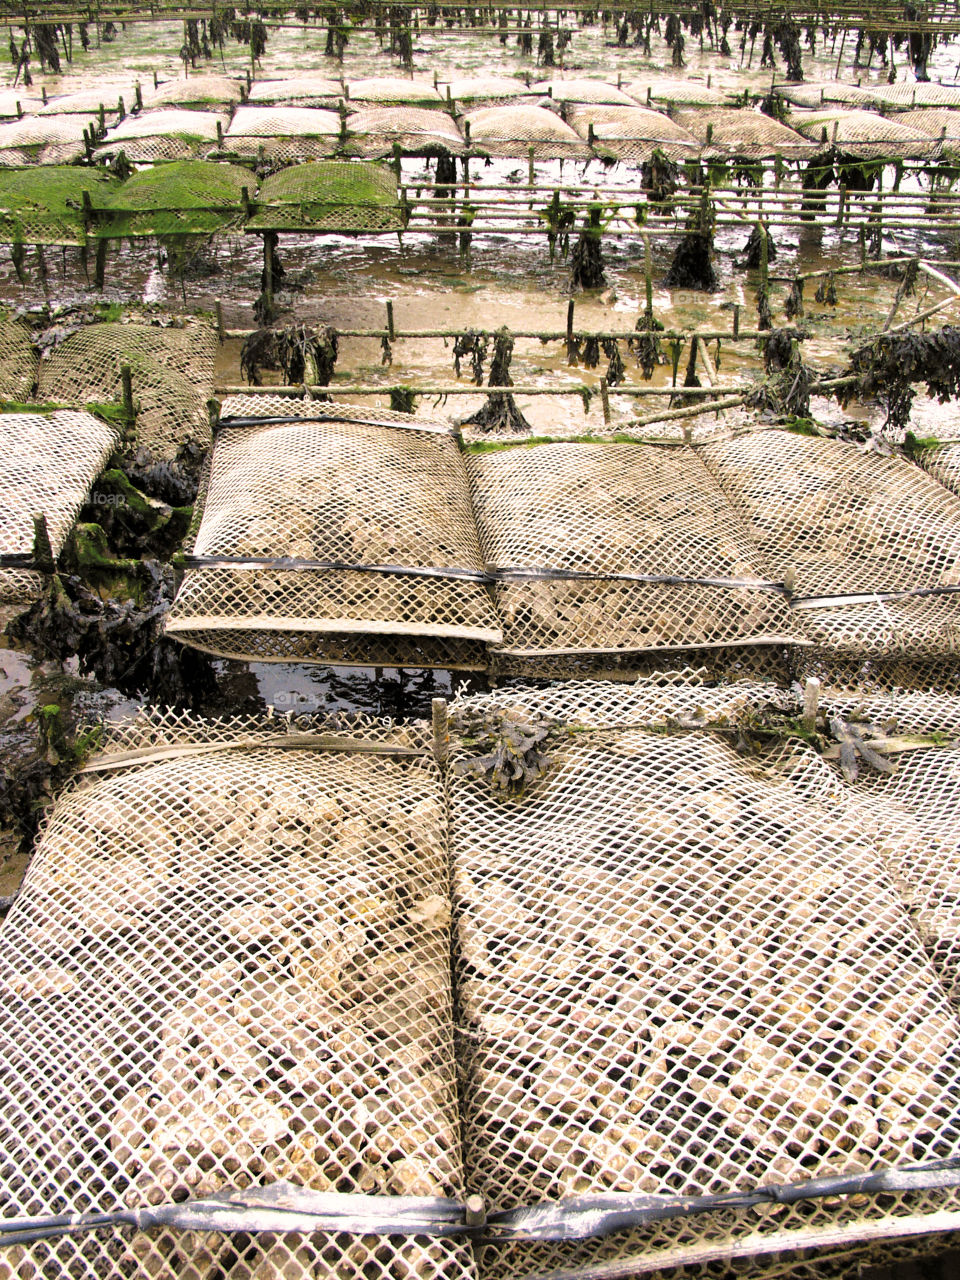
pixel 191 126
pixel 341 493
pixel 850 523
pixel 864 134
pixel 618 509
pixel 201 90
pixel 393 89
pixel 373 131
pixel 722 971
pixel 329 196
pixel 188 197
pixel 943 463
pixel 295 91
pixel 172 377
pixel 690 92
pixel 594 91
pixel 513 129
pixel 633 133
pixel 284 133
pixel 742 133
pixel 47 465
pixel 44 205
pixel 18 360
pixel 254 943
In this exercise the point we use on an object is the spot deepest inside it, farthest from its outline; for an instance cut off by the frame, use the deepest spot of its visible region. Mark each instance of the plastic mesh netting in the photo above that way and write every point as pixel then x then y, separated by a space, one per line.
pixel 227 969
pixel 679 972
pixel 390 89
pixel 191 126
pixel 329 196
pixel 201 90
pixel 864 134
pixel 44 205
pixel 873 541
pixel 933 122
pixel 18 360
pixel 187 197
pixel 592 91
pixel 690 92
pixel 484 89
pixel 338 500
pixel 43 139
pixel 172 372
pixel 816 93
pixel 47 465
pixel 729 132
pixel 89 101
pixel 598 511
pixel 296 91
pixel 374 131
pixel 265 406
pixel 918 94
pixel 632 133
pixel 283 133
pixel 516 129
pixel 914 812
pixel 943 463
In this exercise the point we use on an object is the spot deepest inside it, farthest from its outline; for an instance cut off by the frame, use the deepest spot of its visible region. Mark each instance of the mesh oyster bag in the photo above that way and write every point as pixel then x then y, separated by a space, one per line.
pixel 167 134
pixel 316 533
pixel 18 360
pixel 48 462
pixel 943 463
pixel 329 195
pixel 632 133
pixel 618 547
pixel 227 968
pixel 172 370
pixel 681 975
pixel 516 129
pixel 283 133
pixel 374 131
pixel 874 542
pixel 187 197
pixel 913 810
pixel 727 132
pixel 44 205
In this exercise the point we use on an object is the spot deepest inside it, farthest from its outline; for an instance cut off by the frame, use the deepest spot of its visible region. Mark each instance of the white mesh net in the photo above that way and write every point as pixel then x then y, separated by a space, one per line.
pixel 874 543
pixel 604 514
pixel 361 508
pixel 47 465
pixel 226 970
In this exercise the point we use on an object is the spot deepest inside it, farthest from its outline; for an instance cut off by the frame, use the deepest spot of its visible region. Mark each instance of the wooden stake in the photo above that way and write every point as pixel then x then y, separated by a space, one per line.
pixel 570 306
pixel 605 401
pixel 441 730
pixel 811 701
pixel 391 331
pixel 126 378
pixel 218 306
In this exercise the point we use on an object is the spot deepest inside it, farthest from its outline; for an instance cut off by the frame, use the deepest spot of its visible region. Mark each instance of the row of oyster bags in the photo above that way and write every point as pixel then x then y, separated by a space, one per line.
pixel 331 533
pixel 677 973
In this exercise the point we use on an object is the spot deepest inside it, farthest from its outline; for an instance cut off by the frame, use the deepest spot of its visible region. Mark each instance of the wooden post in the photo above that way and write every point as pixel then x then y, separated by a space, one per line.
pixel 391 331
pixel 811 701
pixel 138 95
pixel 218 307
pixel 531 176
pixel 121 109
pixel 126 378
pixel 647 273
pixel 570 305
pixel 100 268
pixel 605 401
pixel 246 202
pixel 736 321
pixel 219 133
pixel 268 270
pixel 102 118
pixel 441 731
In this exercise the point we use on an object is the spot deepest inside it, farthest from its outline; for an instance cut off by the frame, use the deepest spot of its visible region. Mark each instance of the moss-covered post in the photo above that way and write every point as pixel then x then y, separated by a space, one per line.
pixel 100 265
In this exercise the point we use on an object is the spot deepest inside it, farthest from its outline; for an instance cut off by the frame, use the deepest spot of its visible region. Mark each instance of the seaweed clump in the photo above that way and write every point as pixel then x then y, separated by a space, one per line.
pixel 512 751
pixel 785 391
pixel 500 413
pixel 299 354
pixel 890 367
